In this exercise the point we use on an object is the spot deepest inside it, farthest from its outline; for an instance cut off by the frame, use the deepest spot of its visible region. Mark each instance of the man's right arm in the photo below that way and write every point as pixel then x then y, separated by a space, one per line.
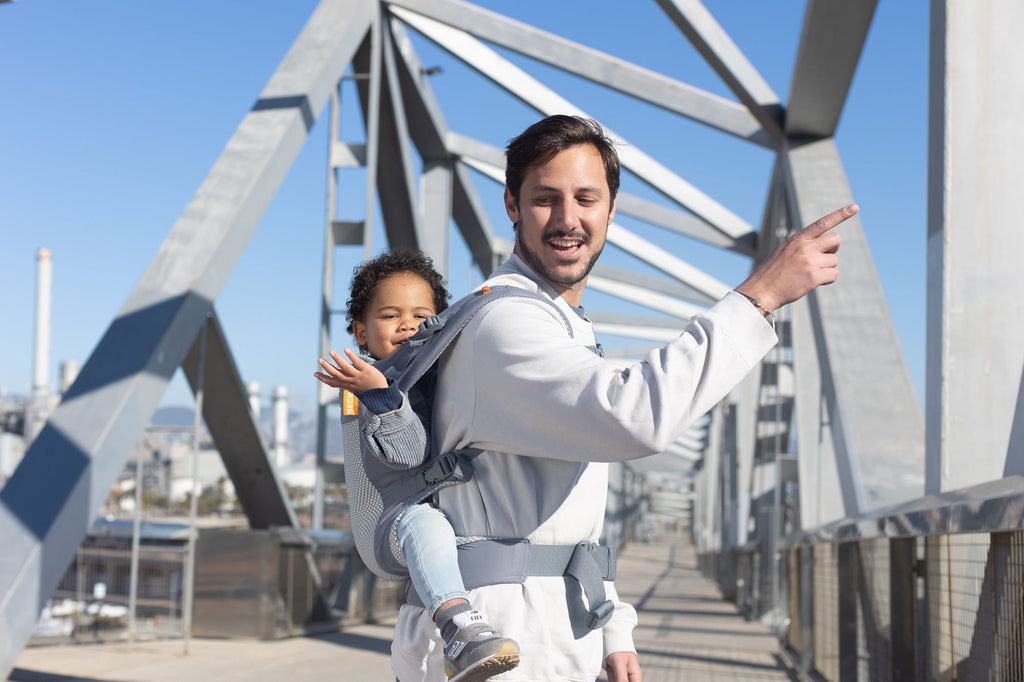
pixel 804 261
pixel 536 392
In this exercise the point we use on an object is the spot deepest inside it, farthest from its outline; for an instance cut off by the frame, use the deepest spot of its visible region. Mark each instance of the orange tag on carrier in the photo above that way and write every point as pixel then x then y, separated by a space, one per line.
pixel 349 404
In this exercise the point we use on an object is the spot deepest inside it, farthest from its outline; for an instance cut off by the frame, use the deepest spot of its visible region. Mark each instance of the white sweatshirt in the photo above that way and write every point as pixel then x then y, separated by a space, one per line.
pixel 542 405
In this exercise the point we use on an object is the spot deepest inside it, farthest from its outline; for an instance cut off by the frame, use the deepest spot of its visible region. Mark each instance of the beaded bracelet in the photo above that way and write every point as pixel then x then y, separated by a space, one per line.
pixel 767 314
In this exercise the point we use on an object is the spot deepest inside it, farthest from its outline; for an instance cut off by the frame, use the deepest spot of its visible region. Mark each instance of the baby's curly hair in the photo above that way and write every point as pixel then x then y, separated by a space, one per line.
pixel 368 275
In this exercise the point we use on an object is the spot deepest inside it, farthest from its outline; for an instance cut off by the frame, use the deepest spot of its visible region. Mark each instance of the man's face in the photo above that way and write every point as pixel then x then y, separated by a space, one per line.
pixel 563 214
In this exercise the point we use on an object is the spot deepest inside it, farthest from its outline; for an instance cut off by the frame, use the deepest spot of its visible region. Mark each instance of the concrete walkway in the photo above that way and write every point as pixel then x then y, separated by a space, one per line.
pixel 686 632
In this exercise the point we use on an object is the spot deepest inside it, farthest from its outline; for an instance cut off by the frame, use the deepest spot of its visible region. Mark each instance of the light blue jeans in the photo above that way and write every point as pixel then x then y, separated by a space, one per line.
pixel 427 541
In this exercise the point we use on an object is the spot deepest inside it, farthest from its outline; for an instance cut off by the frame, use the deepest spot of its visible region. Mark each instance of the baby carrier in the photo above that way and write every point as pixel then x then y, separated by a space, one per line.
pixel 380 492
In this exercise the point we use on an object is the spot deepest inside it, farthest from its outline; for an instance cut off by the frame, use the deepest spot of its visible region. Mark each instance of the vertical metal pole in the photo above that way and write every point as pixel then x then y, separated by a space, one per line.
pixel 776 530
pixel 807 624
pixel 372 135
pixel 190 564
pixel 327 299
pixel 903 605
pixel 133 587
pixel 79 591
pixel 730 534
pixel 848 565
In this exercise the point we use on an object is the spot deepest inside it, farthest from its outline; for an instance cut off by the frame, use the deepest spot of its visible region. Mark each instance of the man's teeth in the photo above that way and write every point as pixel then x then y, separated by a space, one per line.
pixel 565 243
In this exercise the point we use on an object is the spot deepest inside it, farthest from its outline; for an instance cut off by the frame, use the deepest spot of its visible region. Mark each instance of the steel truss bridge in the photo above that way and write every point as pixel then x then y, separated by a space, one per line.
pixel 883 541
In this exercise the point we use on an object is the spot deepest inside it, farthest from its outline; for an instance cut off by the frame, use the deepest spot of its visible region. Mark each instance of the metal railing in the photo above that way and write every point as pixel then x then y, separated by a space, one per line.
pixel 290 583
pixel 929 590
pixel 92 601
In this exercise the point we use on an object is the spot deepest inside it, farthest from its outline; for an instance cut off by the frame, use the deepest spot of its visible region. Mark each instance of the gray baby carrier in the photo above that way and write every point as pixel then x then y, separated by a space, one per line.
pixel 380 492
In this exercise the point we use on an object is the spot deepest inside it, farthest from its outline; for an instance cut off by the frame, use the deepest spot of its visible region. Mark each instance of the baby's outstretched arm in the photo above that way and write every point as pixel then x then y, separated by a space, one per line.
pixel 354 376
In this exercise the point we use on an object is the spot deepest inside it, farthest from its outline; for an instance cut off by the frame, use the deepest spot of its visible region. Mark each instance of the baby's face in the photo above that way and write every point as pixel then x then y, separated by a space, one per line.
pixel 394 313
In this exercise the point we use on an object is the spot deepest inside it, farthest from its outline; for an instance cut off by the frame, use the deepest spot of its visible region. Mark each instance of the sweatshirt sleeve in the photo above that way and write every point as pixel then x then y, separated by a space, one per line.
pixel 618 632
pixel 559 400
pixel 396 437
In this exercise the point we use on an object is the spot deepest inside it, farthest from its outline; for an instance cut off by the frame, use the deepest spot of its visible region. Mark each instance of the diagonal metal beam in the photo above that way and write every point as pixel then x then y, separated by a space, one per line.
pixel 394 172
pixel 427 125
pixel 830 45
pixel 706 286
pixel 427 129
pixel 598 67
pixel 641 295
pixel 857 347
pixel 235 433
pixel 682 223
pixel 46 507
pixel 542 98
pixel 490 161
pixel 722 55
pixel 471 218
pixel 671 287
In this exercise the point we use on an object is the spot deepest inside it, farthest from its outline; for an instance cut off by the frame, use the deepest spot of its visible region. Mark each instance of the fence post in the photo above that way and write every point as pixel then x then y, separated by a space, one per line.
pixel 903 608
pixel 848 565
pixel 807 608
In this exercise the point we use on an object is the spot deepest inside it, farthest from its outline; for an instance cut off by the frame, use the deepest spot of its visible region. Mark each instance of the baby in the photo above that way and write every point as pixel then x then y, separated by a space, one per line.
pixel 390 296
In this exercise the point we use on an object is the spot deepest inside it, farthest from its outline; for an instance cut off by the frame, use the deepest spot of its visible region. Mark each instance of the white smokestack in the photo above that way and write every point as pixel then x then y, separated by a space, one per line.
pixel 253 388
pixel 41 356
pixel 38 404
pixel 69 370
pixel 280 446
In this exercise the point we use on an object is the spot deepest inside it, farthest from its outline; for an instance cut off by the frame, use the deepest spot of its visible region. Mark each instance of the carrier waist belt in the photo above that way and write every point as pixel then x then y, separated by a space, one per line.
pixel 493 561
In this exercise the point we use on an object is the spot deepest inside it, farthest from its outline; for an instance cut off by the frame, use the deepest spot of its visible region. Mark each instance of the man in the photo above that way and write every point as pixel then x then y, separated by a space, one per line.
pixel 550 413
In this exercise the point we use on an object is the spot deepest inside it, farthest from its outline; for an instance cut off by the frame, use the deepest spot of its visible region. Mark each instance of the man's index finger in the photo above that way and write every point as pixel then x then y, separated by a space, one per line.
pixel 827 222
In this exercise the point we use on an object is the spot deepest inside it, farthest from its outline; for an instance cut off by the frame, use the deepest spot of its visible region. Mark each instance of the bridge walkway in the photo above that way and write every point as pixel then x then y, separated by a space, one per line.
pixel 686 632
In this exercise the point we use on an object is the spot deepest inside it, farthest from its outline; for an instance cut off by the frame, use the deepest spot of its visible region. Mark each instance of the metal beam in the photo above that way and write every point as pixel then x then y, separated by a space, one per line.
pixel 542 98
pixel 426 120
pixel 490 161
pixel 394 172
pixel 46 507
pixel 722 55
pixel 975 323
pixel 879 432
pixel 471 219
pixel 830 46
pixel 744 423
pixel 682 223
pixel 235 433
pixel 643 296
pixel 707 287
pixel 672 287
pixel 586 62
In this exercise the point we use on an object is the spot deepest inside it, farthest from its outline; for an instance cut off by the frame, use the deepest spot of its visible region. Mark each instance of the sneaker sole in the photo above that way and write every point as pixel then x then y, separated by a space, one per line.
pixel 503 661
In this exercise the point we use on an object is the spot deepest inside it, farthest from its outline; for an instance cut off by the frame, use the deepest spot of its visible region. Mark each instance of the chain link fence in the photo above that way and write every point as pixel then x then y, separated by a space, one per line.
pixel 931 590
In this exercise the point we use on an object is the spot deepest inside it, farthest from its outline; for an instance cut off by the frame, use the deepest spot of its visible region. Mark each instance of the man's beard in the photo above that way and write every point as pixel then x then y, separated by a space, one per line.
pixel 535 262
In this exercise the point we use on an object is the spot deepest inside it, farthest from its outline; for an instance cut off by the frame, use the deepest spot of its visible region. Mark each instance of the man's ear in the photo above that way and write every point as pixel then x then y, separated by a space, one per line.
pixel 359 331
pixel 510 206
pixel 611 213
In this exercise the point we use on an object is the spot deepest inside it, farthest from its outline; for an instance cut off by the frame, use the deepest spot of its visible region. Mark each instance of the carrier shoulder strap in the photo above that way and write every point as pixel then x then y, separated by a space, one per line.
pixel 406 366
pixel 418 355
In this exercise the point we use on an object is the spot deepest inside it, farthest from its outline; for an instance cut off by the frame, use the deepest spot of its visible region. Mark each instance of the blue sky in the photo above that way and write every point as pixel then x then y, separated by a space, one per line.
pixel 114 111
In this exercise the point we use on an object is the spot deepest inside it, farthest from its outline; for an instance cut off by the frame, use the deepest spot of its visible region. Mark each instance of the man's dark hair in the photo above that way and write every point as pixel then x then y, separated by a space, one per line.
pixel 539 143
pixel 368 275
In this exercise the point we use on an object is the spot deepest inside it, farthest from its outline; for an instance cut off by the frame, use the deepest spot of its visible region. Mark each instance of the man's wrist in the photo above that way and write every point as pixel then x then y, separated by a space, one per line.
pixel 765 313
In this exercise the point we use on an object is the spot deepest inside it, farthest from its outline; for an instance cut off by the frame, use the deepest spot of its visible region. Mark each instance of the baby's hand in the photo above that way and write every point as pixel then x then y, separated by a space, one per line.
pixel 354 376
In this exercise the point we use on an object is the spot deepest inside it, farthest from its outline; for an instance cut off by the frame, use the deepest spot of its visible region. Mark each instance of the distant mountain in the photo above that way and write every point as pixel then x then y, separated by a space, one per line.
pixel 173 416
